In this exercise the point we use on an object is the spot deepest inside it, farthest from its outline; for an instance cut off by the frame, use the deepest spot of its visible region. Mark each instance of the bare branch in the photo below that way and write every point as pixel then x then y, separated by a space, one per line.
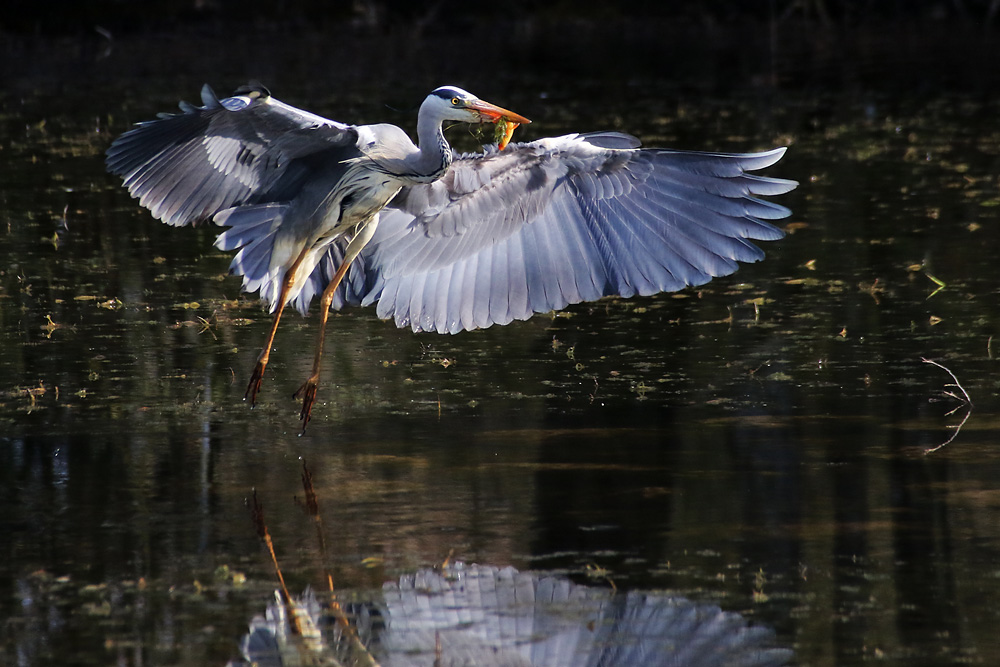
pixel 957 385
pixel 964 400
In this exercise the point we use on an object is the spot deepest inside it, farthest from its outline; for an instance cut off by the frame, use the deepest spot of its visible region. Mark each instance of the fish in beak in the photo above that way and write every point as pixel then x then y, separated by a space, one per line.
pixel 506 121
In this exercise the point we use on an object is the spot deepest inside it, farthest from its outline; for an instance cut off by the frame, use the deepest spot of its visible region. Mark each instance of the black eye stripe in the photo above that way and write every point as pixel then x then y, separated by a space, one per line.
pixel 449 93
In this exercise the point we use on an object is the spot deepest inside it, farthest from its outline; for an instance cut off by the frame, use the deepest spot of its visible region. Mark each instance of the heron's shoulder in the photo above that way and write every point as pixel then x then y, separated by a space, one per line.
pixel 384 132
pixel 384 140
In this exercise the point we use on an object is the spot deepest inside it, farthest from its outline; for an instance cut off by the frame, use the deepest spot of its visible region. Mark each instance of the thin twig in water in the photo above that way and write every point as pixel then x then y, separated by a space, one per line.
pixel 957 384
pixel 964 400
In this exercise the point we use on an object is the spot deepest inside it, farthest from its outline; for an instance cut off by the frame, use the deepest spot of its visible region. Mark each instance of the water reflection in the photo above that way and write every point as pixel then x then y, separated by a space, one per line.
pixel 481 615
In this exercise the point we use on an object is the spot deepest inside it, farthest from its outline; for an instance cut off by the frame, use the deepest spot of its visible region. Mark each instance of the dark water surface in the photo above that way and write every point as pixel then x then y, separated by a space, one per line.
pixel 770 442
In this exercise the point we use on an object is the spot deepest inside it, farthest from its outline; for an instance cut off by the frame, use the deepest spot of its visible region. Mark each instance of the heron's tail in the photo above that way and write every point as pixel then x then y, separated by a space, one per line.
pixel 253 229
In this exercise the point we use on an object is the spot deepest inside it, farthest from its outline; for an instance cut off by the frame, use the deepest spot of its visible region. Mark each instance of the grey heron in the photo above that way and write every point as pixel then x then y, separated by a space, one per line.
pixel 359 214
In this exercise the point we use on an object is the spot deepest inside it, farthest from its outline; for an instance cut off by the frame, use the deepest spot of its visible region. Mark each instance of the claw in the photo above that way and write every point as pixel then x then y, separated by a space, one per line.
pixel 307 392
pixel 255 381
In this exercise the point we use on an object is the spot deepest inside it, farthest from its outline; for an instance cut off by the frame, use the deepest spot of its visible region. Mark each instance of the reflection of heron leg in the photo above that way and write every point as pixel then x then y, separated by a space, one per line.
pixel 258 370
pixel 307 392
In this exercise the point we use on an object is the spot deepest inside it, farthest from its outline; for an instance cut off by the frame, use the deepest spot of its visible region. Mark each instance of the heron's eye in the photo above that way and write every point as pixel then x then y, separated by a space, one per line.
pixel 454 101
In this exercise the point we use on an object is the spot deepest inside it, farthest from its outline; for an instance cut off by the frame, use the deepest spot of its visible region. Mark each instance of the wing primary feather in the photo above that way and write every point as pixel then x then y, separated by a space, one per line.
pixel 482 281
pixel 469 293
pixel 415 289
pixel 500 290
pixel 431 298
pixel 518 297
pixel 441 319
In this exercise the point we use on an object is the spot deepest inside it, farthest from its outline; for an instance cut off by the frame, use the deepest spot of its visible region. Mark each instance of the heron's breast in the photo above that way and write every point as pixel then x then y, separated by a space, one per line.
pixel 353 203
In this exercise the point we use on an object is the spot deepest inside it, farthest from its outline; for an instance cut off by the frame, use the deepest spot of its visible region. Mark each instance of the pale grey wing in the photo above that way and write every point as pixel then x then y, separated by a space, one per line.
pixel 560 221
pixel 246 149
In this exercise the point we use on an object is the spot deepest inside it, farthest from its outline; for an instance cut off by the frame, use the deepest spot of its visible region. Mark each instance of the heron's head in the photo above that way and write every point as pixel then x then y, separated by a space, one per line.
pixel 451 103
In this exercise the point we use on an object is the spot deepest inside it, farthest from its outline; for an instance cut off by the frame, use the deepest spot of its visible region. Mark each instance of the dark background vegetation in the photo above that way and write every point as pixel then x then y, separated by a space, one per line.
pixel 69 16
pixel 806 43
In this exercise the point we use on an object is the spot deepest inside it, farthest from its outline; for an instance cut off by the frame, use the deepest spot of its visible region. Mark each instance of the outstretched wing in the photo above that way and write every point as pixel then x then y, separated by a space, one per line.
pixel 240 161
pixel 245 149
pixel 558 221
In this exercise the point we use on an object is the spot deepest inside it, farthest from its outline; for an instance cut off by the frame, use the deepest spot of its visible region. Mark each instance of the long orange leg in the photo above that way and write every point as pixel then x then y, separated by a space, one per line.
pixel 258 370
pixel 307 392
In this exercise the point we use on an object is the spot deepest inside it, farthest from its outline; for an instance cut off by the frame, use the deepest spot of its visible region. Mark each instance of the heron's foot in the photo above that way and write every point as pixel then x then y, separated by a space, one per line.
pixel 307 392
pixel 255 380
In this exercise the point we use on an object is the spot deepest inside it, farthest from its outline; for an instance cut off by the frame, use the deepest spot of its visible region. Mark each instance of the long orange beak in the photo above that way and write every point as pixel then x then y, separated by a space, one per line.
pixel 494 113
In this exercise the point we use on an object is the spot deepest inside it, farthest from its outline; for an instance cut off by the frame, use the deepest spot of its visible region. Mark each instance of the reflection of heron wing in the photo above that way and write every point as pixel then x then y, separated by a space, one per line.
pixel 557 221
pixel 249 148
pixel 492 617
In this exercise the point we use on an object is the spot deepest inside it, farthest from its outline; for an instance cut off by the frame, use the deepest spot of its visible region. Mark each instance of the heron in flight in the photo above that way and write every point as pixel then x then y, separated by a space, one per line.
pixel 439 241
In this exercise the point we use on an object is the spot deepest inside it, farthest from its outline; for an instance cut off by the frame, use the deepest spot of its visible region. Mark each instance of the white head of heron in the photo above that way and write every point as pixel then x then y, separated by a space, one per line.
pixel 453 103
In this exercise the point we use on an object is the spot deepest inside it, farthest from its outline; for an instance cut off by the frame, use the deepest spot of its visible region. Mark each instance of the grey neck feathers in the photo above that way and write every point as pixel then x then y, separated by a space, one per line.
pixel 435 153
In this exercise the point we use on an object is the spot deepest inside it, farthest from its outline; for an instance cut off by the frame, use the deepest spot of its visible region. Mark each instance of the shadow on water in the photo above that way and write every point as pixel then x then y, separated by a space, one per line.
pixel 760 444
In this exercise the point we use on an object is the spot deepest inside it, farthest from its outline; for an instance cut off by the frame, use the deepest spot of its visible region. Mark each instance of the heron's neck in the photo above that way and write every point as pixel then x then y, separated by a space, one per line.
pixel 435 153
